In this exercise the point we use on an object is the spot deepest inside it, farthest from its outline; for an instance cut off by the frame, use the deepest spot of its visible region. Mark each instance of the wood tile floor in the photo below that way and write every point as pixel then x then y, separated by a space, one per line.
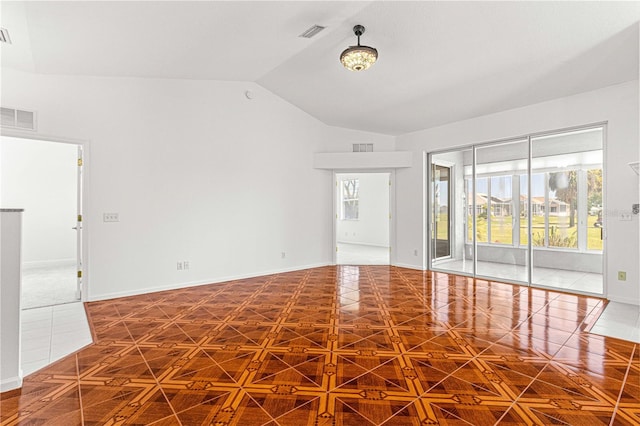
pixel 343 345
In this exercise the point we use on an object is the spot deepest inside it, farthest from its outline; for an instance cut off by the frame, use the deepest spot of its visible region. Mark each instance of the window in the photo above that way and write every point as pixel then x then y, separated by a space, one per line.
pixel 563 205
pixel 482 204
pixel 594 209
pixel 494 210
pixel 501 218
pixel 350 199
pixel 556 208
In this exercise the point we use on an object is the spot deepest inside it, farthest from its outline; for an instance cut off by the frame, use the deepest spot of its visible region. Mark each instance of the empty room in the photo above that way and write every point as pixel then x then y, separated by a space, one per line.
pixel 319 213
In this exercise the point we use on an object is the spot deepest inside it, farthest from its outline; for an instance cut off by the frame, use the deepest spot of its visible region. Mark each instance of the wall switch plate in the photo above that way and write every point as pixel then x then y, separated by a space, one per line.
pixel 622 276
pixel 110 217
pixel 185 264
pixel 179 266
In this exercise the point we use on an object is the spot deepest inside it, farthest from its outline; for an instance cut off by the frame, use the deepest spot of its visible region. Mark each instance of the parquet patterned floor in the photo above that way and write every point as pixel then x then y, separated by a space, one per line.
pixel 341 345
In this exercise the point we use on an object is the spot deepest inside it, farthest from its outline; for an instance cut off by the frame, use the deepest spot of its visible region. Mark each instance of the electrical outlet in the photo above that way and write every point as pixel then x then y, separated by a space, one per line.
pixel 179 266
pixel 110 217
pixel 622 276
pixel 283 255
pixel 415 252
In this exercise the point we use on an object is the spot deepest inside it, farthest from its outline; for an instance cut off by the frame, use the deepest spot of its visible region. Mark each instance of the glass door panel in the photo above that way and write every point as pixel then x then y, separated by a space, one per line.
pixel 450 228
pixel 441 211
pixel 567 229
pixel 501 176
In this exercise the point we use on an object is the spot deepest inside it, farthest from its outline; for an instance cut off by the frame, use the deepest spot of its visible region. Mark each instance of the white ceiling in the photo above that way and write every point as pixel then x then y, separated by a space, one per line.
pixel 439 62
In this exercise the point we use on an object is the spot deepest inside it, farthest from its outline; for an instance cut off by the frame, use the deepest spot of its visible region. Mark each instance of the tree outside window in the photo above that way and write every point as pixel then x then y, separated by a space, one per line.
pixel 350 199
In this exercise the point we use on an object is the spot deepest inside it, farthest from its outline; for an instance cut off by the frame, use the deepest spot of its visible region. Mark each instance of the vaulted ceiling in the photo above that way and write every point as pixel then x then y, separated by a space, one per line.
pixel 439 62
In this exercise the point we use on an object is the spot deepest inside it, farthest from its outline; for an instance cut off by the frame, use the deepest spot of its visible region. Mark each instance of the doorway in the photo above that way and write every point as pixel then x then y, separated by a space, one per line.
pixel 363 218
pixel 45 178
pixel 442 203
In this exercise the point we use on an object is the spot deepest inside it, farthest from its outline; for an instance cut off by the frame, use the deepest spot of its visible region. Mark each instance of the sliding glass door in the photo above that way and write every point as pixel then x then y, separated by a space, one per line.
pixel 527 210
pixel 448 212
pixel 501 184
pixel 567 186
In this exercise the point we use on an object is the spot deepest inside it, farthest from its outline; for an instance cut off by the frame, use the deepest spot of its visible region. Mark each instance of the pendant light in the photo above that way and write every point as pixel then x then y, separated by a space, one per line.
pixel 358 58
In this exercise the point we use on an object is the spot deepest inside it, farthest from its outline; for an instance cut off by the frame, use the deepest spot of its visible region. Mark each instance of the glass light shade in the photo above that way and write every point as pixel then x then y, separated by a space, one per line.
pixel 358 58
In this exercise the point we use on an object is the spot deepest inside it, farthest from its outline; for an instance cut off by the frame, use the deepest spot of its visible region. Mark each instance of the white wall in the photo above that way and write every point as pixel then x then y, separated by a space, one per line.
pixel 41 177
pixel 10 278
pixel 372 226
pixel 617 105
pixel 196 171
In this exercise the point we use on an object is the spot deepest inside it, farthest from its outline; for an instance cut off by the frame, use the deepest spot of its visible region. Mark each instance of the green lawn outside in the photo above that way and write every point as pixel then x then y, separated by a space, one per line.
pixel 501 231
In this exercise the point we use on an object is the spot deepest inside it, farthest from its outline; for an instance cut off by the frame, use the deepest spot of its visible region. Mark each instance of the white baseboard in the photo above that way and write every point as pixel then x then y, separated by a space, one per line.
pixel 623 300
pixel 10 384
pixel 218 280
pixel 408 266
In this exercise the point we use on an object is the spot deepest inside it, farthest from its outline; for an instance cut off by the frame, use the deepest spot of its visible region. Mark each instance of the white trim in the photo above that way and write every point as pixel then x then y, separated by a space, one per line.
pixel 345 161
pixel 11 383
pixel 624 300
pixel 219 280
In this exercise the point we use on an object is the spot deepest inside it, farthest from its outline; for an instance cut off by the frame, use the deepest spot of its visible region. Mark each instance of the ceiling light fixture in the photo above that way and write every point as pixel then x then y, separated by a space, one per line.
pixel 358 58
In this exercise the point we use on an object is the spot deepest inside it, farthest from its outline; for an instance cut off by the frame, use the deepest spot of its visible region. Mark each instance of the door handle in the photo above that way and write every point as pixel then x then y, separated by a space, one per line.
pixel 75 227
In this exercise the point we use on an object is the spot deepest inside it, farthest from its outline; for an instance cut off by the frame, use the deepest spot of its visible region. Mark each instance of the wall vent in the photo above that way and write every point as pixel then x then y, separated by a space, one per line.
pixel 4 36
pixel 312 31
pixel 18 119
pixel 362 147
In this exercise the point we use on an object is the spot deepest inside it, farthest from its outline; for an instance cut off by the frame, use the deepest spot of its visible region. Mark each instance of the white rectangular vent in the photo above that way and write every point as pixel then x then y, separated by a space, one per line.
pixel 312 31
pixel 362 147
pixel 18 119
pixel 4 36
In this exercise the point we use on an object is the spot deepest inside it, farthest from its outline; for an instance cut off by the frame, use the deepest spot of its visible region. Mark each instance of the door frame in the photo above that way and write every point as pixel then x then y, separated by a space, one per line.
pixel 451 206
pixel 82 246
pixel 392 209
pixel 427 202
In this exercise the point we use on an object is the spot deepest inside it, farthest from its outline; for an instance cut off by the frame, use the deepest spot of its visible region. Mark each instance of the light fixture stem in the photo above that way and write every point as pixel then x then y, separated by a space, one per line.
pixel 358 39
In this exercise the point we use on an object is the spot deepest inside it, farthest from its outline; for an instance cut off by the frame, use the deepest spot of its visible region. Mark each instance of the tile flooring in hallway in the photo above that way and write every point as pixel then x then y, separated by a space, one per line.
pixel 346 345
pixel 361 254
pixel 54 283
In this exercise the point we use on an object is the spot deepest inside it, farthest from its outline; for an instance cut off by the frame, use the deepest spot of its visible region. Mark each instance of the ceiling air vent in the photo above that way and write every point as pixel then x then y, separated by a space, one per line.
pixel 4 36
pixel 18 119
pixel 362 147
pixel 312 31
